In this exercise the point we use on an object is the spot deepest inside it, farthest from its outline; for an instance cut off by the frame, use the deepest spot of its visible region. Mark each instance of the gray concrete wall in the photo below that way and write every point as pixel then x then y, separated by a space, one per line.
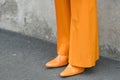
pixel 31 17
pixel 109 28
pixel 36 18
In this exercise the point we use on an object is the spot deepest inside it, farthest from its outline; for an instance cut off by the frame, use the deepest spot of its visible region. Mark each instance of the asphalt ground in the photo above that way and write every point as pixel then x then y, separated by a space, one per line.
pixel 23 58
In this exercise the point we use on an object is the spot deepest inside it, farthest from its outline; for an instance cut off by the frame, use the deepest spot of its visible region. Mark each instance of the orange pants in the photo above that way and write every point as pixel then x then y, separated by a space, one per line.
pixel 77 31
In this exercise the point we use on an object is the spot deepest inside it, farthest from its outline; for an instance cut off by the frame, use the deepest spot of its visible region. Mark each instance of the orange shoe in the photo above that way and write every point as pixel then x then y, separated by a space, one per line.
pixel 71 70
pixel 57 62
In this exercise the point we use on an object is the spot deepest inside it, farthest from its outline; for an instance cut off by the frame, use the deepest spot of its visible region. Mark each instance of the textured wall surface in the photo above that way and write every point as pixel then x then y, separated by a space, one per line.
pixel 31 17
pixel 37 18
pixel 109 28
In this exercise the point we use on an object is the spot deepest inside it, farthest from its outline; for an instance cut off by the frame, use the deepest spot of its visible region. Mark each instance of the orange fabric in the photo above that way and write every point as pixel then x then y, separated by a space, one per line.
pixel 77 31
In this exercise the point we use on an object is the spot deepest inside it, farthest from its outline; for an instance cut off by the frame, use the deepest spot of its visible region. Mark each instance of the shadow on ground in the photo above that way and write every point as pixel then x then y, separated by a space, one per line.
pixel 23 58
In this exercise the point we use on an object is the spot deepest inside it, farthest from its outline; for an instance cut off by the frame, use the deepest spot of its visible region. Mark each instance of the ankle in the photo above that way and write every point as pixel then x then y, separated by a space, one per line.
pixel 62 55
pixel 76 66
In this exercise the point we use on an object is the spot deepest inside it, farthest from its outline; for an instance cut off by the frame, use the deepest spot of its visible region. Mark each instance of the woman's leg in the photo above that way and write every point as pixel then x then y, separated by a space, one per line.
pixel 63 29
pixel 83 33
pixel 63 26
pixel 83 51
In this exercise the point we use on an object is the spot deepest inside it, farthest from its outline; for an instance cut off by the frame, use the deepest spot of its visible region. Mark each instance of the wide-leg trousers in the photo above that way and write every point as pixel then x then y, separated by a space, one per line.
pixel 77 31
